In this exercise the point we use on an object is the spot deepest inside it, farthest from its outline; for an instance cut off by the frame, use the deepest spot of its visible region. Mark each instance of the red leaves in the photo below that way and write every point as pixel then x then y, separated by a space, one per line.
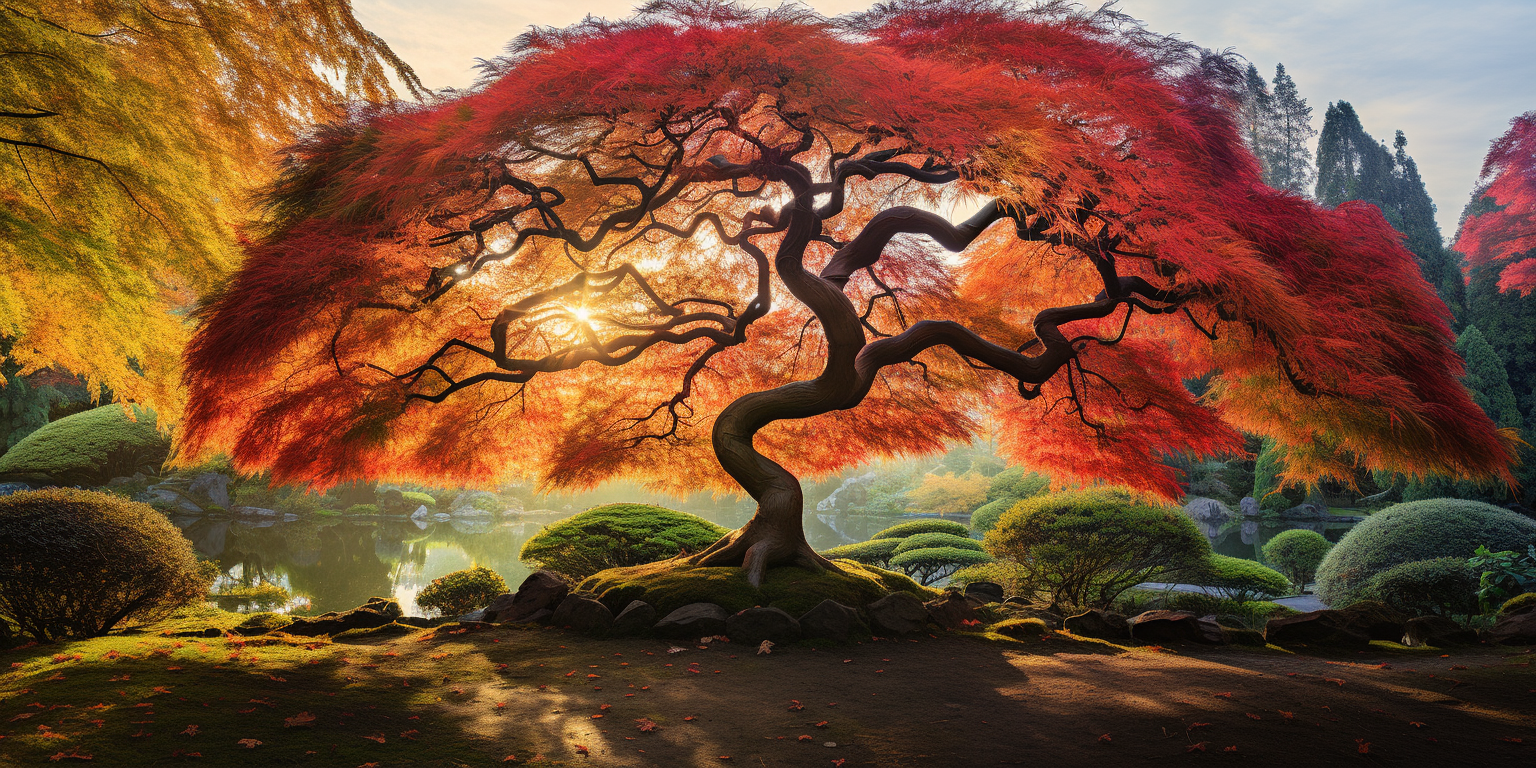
pixel 378 737
pixel 73 754
pixel 249 743
pixel 795 705
pixel 191 730
pixel 301 720
pixel 1363 746
pixel 1196 747
pixel 646 725
pixel 582 750
pixel 1105 739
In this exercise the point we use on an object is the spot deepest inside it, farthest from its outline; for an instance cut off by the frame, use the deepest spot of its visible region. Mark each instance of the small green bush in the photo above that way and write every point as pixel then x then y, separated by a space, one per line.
pixel 1012 577
pixel 1085 548
pixel 361 509
pixel 1418 530
pixel 460 592
pixel 418 498
pixel 1296 554
pixel 1518 603
pixel 1442 586
pixel 986 516
pixel 931 564
pixel 90 448
pixel 1239 579
pixel 873 552
pixel 1017 483
pixel 933 540
pixel 903 530
pixel 263 596
pixel 79 563
pixel 617 536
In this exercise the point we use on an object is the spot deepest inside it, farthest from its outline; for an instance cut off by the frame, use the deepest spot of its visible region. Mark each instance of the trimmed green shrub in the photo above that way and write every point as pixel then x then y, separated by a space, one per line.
pixel 903 530
pixel 930 564
pixel 1014 578
pixel 933 540
pixel 1296 554
pixel 90 448
pixel 618 536
pixel 1418 530
pixel 79 563
pixel 671 585
pixel 986 516
pixel 873 552
pixel 1518 604
pixel 1085 548
pixel 460 592
pixel 1238 579
pixel 418 498
pixel 1442 586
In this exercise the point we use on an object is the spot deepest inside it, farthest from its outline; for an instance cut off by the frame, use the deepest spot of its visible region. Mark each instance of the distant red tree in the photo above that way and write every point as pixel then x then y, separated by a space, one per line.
pixel 580 270
pixel 1504 230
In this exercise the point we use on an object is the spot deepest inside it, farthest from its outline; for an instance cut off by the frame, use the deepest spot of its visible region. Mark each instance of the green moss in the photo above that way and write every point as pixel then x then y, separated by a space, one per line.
pixel 1020 629
pixel 394 629
pixel 361 509
pixel 417 497
pixel 670 585
pixel 90 448
pixel 923 526
pixel 1518 603
pixel 1013 578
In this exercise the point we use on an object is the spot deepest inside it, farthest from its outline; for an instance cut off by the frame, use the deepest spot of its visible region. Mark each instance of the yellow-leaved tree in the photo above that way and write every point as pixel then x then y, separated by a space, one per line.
pixel 130 135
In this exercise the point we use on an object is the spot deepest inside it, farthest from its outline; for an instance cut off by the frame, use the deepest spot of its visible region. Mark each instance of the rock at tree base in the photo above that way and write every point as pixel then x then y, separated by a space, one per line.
pixel 1104 625
pixel 541 591
pixel 953 609
pixel 986 591
pixel 1515 629
pixel 1174 627
pixel 694 620
pixel 1377 621
pixel 830 620
pixel 1436 631
pixel 377 612
pixel 1326 627
pixel 583 614
pixel 637 618
pixel 897 614
pixel 754 625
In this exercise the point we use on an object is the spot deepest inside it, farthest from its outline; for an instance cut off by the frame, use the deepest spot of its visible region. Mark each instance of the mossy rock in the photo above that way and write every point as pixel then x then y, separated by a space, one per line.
pixel 1518 604
pixel 395 629
pixel 1020 629
pixel 672 584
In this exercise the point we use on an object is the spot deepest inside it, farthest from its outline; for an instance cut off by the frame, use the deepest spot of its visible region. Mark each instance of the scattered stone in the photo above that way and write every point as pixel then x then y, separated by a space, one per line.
pixel 637 618
pixel 1174 627
pixel 1377 621
pixel 392 502
pixel 952 610
pixel 475 615
pixel 210 488
pixel 830 620
pixel 694 620
pixel 1105 625
pixel 1326 627
pixel 1436 631
pixel 1517 628
pixel 987 591
pixel 7 489
pixel 897 614
pixel 755 625
pixel 541 591
pixel 255 512
pixel 584 614
pixel 377 612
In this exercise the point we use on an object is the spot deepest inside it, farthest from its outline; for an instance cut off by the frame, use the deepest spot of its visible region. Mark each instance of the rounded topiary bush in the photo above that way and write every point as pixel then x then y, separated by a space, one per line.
pixel 78 563
pixel 986 516
pixel 1238 579
pixel 1418 530
pixel 460 592
pixel 934 540
pixel 90 448
pixel 1084 548
pixel 903 530
pixel 1441 586
pixel 872 552
pixel 1297 553
pixel 618 536
pixel 929 564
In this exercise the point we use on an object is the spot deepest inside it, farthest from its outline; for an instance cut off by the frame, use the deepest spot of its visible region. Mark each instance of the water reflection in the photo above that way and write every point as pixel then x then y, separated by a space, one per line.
pixel 1246 538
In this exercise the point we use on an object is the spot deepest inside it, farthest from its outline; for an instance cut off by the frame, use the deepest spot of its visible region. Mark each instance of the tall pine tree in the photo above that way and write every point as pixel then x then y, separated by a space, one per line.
pixel 1290 166
pixel 1487 380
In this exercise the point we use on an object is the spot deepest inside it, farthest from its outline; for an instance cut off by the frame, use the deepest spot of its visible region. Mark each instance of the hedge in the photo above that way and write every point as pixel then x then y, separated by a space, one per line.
pixel 1418 530
pixel 618 535
pixel 935 540
pixel 1240 580
pixel 930 564
pixel 90 448
pixel 903 530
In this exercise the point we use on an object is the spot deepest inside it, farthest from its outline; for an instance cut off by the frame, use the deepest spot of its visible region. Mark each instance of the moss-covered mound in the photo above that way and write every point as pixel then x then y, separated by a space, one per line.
pixel 618 536
pixel 89 448
pixel 672 584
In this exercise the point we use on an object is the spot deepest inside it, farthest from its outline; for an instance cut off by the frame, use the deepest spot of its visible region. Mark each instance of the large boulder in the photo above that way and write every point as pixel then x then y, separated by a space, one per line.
pixel 1378 621
pixel 637 618
pixel 754 625
pixel 898 613
pixel 1518 628
pixel 953 610
pixel 541 591
pixel 377 612
pixel 830 620
pixel 1105 625
pixel 694 620
pixel 210 488
pixel 986 591
pixel 1437 631
pixel 1325 627
pixel 393 502
pixel 584 614
pixel 1174 627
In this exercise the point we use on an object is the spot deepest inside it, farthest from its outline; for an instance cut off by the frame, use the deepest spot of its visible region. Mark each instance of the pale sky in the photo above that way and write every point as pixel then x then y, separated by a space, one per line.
pixel 1448 74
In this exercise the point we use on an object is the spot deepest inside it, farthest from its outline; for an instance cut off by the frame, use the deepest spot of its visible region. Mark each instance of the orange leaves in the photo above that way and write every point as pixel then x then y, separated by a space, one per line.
pixel 73 754
pixel 377 737
pixel 191 730
pixel 249 743
pixel 301 720
pixel 646 725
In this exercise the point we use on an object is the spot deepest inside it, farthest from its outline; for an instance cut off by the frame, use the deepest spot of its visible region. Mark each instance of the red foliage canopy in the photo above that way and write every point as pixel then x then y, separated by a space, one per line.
pixel 1504 232
pixel 575 269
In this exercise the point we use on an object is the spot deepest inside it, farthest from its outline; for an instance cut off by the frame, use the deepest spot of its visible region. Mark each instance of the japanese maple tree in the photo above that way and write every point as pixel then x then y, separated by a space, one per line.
pixel 1502 227
pixel 715 247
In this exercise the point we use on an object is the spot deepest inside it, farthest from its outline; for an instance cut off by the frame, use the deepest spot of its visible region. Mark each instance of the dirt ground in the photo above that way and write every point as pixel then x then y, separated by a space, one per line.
pixel 562 699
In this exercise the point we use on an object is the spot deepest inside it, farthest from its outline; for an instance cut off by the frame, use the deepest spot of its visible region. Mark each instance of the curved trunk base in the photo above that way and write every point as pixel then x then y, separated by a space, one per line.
pixel 757 546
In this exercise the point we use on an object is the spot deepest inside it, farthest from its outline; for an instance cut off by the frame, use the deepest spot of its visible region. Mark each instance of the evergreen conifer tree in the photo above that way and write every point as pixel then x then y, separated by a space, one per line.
pixel 1487 379
pixel 1289 166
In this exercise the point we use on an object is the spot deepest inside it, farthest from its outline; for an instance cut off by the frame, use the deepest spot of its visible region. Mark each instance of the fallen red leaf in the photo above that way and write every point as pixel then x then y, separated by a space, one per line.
pixel 582 750
pixel 190 731
pixel 299 720
pixel 379 737
pixel 249 743
pixel 646 725
pixel 1364 746
pixel 1198 746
